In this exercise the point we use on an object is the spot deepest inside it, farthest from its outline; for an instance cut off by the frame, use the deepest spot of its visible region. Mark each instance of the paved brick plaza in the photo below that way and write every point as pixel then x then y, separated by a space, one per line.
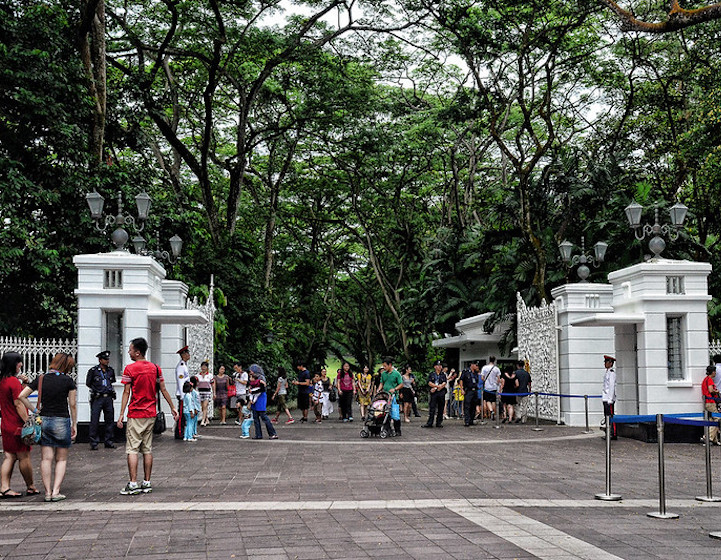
pixel 322 492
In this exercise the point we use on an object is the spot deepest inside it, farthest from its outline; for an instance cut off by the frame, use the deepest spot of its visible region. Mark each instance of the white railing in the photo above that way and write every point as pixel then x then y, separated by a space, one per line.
pixel 714 347
pixel 37 353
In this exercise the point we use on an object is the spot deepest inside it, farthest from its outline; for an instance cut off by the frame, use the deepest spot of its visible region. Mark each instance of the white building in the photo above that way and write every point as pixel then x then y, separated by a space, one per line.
pixel 474 343
pixel 122 296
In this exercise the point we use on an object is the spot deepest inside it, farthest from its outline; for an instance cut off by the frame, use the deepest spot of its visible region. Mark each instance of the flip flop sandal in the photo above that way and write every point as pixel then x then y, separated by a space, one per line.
pixel 32 492
pixel 6 495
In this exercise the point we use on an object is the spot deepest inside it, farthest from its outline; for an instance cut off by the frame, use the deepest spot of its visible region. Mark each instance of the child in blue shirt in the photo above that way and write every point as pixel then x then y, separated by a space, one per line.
pixel 190 412
pixel 247 422
pixel 196 400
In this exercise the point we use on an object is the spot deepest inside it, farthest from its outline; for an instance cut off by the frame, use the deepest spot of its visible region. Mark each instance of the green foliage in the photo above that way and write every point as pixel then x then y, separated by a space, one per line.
pixel 43 170
pixel 352 196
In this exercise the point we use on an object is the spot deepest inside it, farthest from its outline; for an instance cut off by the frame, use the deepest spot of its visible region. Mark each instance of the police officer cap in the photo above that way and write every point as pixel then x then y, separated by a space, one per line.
pixel 183 350
pixel 104 355
pixel 607 358
pixel 437 363
pixel 476 362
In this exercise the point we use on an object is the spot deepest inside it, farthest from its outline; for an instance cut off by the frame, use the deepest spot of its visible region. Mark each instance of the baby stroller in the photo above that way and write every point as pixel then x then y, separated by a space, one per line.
pixel 378 419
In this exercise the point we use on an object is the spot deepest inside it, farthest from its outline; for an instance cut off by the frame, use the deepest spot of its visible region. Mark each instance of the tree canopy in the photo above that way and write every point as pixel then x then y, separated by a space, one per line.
pixel 357 176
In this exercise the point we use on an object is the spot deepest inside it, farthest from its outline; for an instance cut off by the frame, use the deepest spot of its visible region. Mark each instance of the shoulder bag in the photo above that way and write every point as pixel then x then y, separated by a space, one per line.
pixel 32 428
pixel 159 426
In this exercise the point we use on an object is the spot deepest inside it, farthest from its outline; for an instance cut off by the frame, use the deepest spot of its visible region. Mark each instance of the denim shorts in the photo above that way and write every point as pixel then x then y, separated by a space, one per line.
pixel 56 432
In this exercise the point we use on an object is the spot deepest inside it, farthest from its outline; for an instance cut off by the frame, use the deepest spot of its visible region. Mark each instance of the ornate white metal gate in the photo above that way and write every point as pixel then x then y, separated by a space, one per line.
pixel 201 338
pixel 37 353
pixel 538 343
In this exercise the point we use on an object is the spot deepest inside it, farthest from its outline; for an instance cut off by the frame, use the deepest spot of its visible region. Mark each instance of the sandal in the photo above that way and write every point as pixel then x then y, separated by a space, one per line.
pixel 32 491
pixel 7 495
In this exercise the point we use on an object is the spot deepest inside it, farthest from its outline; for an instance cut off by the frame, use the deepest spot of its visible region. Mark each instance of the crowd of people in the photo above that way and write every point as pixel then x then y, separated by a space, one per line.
pixel 472 395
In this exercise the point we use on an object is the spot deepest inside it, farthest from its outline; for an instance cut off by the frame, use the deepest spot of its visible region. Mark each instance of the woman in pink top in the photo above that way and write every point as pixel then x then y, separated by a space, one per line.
pixel 346 390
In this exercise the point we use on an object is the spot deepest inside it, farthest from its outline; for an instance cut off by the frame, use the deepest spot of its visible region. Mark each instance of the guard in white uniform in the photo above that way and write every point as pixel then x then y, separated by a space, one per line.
pixel 609 391
pixel 182 374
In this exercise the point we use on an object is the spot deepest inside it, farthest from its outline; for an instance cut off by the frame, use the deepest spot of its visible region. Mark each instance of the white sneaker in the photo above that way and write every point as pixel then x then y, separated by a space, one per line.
pixel 146 487
pixel 244 437
pixel 130 490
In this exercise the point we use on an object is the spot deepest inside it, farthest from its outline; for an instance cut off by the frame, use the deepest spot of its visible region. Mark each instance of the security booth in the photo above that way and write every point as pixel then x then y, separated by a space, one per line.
pixel 122 296
pixel 660 322
pixel 473 342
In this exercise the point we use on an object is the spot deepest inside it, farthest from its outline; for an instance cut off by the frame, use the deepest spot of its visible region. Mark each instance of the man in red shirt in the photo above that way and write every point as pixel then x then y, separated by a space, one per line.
pixel 142 380
pixel 710 393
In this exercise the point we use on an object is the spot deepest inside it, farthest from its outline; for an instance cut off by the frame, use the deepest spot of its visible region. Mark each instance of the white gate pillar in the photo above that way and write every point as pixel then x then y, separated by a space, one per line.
pixel 581 349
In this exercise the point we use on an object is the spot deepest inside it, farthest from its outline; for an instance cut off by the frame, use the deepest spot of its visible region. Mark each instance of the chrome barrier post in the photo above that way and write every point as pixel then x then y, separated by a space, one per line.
pixel 498 411
pixel 536 428
pixel 661 513
pixel 585 405
pixel 608 496
pixel 709 497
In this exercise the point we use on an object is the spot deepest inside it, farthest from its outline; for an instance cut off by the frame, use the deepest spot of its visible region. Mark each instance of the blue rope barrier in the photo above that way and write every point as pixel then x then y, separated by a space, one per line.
pixel 543 395
pixel 686 422
pixel 633 419
pixel 570 396
pixel 680 418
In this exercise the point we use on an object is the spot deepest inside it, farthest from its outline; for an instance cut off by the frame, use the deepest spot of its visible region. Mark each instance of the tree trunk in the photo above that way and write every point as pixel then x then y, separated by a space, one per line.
pixel 91 39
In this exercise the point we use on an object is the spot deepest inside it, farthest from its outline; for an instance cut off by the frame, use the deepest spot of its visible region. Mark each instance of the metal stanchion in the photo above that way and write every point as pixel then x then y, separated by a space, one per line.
pixel 585 404
pixel 498 411
pixel 661 513
pixel 709 497
pixel 536 428
pixel 608 496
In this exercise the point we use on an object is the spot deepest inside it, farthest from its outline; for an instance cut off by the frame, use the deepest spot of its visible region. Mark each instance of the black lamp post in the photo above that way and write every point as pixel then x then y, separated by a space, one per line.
pixel 120 236
pixel 656 244
pixel 176 246
pixel 583 259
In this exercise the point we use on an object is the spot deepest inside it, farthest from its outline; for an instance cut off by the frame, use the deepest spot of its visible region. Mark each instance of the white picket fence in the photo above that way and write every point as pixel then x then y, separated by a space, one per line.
pixel 37 353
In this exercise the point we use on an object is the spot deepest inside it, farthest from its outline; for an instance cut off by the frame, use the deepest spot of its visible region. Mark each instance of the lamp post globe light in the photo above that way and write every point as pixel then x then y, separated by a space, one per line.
pixel 656 244
pixel 583 259
pixel 120 236
pixel 176 246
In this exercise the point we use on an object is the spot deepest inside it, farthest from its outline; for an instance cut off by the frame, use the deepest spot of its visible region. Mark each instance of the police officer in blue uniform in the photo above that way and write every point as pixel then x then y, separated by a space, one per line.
pixel 437 382
pixel 469 384
pixel 100 381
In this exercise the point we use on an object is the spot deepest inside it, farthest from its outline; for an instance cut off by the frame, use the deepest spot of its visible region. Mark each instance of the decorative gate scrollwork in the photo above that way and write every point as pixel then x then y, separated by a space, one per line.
pixel 538 343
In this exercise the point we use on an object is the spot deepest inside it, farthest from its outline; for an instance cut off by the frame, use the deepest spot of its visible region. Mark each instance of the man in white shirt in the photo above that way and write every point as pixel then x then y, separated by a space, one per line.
pixel 490 374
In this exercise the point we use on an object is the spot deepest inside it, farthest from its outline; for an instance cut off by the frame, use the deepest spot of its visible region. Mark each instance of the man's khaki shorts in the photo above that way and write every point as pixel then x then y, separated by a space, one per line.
pixel 139 436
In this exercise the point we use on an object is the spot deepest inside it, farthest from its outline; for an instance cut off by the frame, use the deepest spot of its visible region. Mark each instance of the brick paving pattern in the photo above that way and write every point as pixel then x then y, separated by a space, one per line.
pixel 322 492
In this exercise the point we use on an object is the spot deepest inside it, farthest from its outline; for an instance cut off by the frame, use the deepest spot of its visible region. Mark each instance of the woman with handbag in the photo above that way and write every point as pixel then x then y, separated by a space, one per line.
pixel 57 402
pixel 14 416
